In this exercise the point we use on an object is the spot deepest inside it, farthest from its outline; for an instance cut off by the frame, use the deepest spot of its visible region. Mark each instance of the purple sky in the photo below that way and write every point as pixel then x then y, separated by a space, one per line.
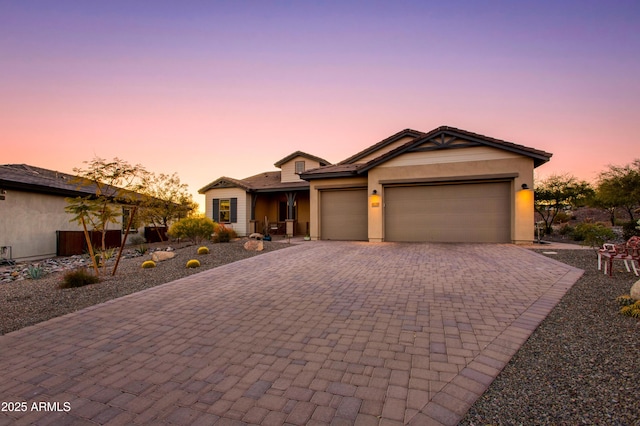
pixel 213 88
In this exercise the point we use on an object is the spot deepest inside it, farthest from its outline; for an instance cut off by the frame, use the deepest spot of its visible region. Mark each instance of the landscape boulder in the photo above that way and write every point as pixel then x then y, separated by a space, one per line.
pixel 254 245
pixel 159 256
pixel 635 291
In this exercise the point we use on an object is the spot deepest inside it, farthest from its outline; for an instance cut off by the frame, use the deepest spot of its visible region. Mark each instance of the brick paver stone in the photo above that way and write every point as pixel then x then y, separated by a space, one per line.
pixel 317 333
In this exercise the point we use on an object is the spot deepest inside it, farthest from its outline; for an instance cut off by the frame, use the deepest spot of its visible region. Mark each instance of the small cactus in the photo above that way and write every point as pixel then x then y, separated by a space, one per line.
pixel 148 264
pixel 203 250
pixel 625 300
pixel 193 263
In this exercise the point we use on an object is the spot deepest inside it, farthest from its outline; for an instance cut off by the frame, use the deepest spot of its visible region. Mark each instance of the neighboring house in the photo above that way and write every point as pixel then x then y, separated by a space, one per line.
pixel 32 209
pixel 447 185
pixel 274 202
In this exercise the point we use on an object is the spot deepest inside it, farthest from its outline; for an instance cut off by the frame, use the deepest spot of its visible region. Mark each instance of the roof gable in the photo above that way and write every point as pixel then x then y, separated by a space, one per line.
pixel 445 137
pixel 380 146
pixel 290 157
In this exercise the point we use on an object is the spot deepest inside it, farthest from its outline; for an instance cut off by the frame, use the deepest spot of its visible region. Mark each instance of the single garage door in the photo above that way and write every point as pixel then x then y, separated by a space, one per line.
pixel 343 215
pixel 465 212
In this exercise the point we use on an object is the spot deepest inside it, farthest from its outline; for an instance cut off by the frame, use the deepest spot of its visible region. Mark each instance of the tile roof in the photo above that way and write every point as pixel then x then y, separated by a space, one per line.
pixel 36 179
pixel 289 157
pixel 262 182
pixel 418 138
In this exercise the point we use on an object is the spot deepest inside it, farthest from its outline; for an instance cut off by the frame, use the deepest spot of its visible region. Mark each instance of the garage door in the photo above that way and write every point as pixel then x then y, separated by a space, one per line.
pixel 469 212
pixel 343 215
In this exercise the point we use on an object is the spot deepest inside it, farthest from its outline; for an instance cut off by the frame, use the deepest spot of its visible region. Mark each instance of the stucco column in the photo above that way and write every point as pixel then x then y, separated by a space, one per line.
pixel 375 209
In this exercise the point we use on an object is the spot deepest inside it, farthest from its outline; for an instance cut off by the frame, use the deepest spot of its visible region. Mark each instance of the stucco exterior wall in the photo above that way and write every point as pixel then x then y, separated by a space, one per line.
pixel 386 149
pixel 314 197
pixel 489 164
pixel 29 221
pixel 244 207
pixel 288 169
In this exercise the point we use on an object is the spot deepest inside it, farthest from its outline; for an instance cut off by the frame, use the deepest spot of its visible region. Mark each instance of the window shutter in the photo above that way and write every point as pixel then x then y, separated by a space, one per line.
pixel 216 210
pixel 234 210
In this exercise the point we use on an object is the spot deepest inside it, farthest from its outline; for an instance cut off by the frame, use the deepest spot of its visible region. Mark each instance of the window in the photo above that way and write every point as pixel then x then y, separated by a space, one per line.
pixel 225 210
pixel 299 167
pixel 283 210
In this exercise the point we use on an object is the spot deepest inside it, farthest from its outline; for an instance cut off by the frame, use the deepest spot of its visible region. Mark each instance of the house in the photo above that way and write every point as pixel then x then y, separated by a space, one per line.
pixel 274 202
pixel 446 185
pixel 32 210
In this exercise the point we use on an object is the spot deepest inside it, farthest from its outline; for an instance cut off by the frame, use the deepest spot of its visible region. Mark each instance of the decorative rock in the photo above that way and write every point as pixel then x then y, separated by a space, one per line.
pixel 159 256
pixel 256 236
pixel 635 290
pixel 254 245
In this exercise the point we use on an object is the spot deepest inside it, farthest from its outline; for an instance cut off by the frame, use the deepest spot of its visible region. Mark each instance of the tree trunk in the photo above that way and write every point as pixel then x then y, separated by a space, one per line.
pixel 90 246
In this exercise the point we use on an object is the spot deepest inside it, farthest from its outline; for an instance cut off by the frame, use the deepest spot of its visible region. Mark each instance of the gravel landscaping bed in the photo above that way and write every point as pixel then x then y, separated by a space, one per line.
pixel 582 364
pixel 28 302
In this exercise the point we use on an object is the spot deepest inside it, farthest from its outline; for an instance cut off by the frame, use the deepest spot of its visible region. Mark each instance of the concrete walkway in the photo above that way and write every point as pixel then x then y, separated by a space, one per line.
pixel 319 333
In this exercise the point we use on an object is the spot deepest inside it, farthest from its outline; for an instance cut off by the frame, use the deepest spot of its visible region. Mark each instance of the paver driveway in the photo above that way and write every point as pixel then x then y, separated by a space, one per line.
pixel 320 333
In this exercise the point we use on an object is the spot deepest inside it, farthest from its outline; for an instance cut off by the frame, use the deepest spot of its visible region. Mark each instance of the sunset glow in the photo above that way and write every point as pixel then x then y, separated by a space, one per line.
pixel 225 88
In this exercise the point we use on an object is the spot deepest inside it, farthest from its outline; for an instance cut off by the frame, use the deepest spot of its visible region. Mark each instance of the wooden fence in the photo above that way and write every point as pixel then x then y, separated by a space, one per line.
pixel 69 243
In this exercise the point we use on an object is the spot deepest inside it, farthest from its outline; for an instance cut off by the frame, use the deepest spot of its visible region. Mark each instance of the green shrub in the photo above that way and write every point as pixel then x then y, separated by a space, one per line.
pixel 148 264
pixel 203 250
pixel 593 234
pixel 193 263
pixel 78 278
pixel 195 229
pixel 630 229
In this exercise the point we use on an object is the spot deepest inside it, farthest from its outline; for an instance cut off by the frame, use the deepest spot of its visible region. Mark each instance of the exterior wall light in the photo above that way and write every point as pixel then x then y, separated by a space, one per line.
pixel 375 199
pixel 525 186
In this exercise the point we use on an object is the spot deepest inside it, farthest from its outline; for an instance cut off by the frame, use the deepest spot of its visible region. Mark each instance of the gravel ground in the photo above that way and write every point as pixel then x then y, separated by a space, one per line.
pixel 582 364
pixel 28 302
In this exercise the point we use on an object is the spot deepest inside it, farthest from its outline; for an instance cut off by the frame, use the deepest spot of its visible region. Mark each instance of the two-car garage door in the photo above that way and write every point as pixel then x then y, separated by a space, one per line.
pixel 464 212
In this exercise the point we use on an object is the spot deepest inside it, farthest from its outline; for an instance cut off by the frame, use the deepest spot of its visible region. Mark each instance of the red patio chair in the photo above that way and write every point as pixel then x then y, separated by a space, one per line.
pixel 629 253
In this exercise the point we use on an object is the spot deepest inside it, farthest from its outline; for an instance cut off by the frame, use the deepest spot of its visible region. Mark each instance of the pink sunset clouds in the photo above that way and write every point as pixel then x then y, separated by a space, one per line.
pixel 207 89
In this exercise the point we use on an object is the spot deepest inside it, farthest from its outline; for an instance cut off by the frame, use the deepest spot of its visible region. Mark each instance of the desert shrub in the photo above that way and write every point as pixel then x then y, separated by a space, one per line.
pixel 562 217
pixel 35 272
pixel 203 250
pixel 148 264
pixel 630 229
pixel 142 249
pixel 78 278
pixel 193 263
pixel 195 229
pixel 224 234
pixel 592 234
pixel 137 240
pixel 565 229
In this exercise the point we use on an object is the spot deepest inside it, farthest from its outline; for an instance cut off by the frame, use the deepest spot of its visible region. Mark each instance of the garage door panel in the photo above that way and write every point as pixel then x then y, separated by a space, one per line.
pixel 470 212
pixel 343 215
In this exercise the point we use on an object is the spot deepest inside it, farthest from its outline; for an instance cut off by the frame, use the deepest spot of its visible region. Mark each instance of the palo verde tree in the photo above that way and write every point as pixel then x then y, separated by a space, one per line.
pixel 557 192
pixel 112 184
pixel 165 200
pixel 619 187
